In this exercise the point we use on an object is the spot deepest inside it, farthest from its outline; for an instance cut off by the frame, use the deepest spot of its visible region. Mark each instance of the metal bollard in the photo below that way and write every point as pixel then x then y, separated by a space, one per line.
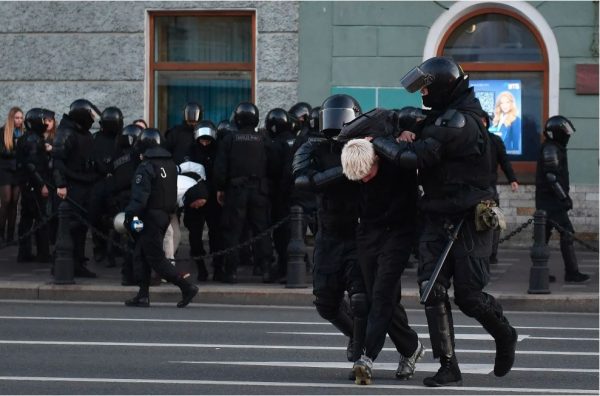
pixel 296 268
pixel 63 261
pixel 538 274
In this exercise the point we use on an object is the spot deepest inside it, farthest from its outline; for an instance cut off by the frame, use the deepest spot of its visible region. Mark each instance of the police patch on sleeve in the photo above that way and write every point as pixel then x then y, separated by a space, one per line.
pixel 138 179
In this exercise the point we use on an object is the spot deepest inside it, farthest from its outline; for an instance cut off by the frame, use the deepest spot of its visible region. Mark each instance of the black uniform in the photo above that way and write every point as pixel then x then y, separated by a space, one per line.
pixel 452 156
pixel 210 213
pixel 153 200
pixel 179 141
pixel 498 157
pixel 74 168
pixel 552 195
pixel 317 168
pixel 385 239
pixel 241 171
pixel 33 172
pixel 280 197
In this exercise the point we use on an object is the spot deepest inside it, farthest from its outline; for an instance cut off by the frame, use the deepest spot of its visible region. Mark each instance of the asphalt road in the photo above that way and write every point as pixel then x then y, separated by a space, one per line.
pixel 103 348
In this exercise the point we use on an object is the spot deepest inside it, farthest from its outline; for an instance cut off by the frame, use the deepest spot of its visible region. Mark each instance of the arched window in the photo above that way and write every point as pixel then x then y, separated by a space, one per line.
pixel 507 62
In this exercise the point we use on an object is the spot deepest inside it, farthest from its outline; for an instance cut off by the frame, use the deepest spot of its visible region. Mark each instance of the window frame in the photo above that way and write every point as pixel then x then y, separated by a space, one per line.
pixel 154 66
pixel 525 169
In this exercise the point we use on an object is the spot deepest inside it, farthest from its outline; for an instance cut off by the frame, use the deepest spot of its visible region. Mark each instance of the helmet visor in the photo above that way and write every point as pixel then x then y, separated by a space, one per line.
pixel 205 133
pixel 416 79
pixel 335 118
pixel 191 114
pixel 569 128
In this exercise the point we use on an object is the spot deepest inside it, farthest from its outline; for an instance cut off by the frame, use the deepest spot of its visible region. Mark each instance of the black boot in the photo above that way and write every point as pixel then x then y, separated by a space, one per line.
pixel 447 375
pixel 505 336
pixel 572 274
pixel 188 291
pixel 142 299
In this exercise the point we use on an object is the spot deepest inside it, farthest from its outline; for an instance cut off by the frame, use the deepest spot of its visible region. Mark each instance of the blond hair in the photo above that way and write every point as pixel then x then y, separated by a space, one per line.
pixel 358 157
pixel 9 128
pixel 511 115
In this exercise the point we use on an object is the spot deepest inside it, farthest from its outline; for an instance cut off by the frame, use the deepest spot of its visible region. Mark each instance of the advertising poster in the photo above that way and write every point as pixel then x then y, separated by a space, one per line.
pixel 501 99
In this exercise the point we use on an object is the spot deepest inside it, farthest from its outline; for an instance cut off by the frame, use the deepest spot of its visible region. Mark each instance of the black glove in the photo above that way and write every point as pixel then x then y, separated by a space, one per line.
pixel 568 203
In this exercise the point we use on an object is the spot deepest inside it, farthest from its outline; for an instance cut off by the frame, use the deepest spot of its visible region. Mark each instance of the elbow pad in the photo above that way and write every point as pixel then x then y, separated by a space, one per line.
pixel 303 182
pixel 387 148
pixel 556 187
pixel 407 159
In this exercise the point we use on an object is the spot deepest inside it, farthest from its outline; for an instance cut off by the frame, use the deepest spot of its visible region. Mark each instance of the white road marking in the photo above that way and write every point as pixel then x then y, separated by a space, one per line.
pixel 460 336
pixel 465 368
pixel 441 390
pixel 268 322
pixel 261 347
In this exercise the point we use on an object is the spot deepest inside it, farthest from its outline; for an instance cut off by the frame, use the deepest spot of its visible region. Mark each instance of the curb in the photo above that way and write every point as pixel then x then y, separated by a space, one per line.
pixel 269 295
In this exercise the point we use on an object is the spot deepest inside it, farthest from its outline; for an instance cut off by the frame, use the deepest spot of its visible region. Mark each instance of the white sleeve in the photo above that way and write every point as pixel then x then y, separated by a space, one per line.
pixel 193 167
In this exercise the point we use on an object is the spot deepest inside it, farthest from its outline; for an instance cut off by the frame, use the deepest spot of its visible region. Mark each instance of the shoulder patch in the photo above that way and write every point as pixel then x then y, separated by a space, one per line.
pixel 451 119
pixel 138 178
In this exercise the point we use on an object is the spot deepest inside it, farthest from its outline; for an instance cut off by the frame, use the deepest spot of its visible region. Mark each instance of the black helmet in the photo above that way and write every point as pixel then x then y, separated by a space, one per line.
pixel 34 120
pixel 313 118
pixel 111 120
pixel 559 129
pixel 129 135
pixel 205 130
pixel 83 112
pixel 441 75
pixel 245 115
pixel 149 138
pixel 336 111
pixel 301 111
pixel 224 128
pixel 277 121
pixel 192 113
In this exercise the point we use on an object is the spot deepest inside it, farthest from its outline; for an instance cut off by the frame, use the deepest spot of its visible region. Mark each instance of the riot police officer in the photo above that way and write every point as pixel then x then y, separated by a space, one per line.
pixel 240 173
pixel 74 174
pixel 552 191
pixel 153 200
pixel 452 156
pixel 277 124
pixel 317 168
pixel 104 151
pixel 33 172
pixel 224 128
pixel 112 193
pixel 300 113
pixel 204 152
pixel 180 138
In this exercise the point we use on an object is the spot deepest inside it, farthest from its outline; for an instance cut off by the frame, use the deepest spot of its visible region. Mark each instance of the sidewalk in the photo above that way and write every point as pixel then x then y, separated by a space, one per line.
pixel 509 284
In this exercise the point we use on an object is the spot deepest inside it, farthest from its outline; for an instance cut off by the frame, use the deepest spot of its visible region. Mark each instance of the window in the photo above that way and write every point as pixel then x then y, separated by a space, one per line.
pixel 501 50
pixel 206 57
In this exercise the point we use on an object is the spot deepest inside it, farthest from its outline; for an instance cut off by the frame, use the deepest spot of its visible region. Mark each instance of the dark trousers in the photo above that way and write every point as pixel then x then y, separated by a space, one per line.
pixel 246 203
pixel 281 235
pixel 383 253
pixel 80 194
pixel 335 272
pixel 467 265
pixel 149 254
pixel 33 213
pixel 195 219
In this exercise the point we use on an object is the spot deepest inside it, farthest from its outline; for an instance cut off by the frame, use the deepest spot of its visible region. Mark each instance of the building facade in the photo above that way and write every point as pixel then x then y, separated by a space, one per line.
pixel 149 58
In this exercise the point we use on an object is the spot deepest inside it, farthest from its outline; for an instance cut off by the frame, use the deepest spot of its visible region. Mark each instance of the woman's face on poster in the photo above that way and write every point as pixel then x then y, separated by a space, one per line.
pixel 506 104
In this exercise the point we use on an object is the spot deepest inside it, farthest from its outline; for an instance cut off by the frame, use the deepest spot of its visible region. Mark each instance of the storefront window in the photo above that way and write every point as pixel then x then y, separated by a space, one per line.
pixel 203 57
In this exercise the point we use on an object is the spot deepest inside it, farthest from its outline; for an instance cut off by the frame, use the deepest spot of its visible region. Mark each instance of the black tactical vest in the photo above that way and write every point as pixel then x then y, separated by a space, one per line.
pixel 545 196
pixel 163 194
pixel 248 156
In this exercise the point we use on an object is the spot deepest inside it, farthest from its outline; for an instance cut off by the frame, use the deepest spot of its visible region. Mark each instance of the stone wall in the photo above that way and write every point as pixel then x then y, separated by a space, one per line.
pixel 55 52
pixel 520 206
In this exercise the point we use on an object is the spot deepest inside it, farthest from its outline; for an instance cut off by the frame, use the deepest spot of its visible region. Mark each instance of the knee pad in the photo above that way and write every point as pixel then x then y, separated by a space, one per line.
pixel 438 295
pixel 326 307
pixel 359 304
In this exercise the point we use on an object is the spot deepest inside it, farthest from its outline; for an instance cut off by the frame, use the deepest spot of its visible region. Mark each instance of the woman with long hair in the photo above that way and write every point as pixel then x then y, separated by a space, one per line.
pixel 10 132
pixel 507 123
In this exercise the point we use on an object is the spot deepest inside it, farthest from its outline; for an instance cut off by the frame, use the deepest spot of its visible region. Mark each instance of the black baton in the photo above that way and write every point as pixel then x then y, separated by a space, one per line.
pixel 438 267
pixel 40 179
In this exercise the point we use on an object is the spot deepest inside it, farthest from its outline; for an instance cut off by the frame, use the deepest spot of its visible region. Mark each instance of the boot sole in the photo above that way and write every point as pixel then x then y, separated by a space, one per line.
pixel 361 375
pixel 433 384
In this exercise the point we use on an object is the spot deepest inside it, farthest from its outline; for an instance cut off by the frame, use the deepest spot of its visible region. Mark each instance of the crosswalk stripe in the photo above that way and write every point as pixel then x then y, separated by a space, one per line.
pixel 262 347
pixel 465 368
pixel 458 336
pixel 259 322
pixel 493 390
